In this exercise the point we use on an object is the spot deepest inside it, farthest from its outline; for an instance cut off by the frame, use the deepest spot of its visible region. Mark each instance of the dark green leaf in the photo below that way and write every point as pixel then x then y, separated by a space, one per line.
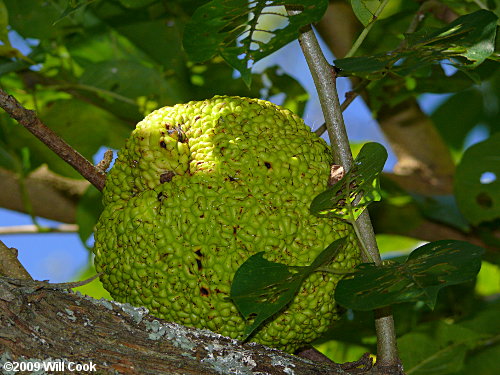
pixel 443 209
pixel 471 36
pixel 132 88
pixel 484 362
pixel 234 29
pixel 438 82
pixel 427 269
pixel 4 23
pixel 296 96
pixel 35 19
pixel 72 7
pixel 457 116
pixel 366 65
pixel 477 181
pixel 133 4
pixel 261 288
pixel 348 198
pixel 88 210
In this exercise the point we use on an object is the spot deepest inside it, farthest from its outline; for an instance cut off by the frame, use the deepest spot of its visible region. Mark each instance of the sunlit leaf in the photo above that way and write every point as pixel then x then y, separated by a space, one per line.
pixel 357 189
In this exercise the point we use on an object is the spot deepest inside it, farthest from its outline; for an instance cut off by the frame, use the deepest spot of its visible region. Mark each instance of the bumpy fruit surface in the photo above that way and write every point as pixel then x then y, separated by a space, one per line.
pixel 200 187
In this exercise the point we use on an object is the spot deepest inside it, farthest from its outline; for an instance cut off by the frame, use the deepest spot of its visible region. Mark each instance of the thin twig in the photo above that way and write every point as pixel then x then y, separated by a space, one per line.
pixel 34 229
pixel 324 77
pixel 36 284
pixel 416 20
pixel 30 121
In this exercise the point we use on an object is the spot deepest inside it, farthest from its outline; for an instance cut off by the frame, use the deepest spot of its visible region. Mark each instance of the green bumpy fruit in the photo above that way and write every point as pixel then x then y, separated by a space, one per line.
pixel 199 188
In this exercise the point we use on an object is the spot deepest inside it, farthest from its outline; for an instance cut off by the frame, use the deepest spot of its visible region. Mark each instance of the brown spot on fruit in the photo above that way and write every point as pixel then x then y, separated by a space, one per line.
pixel 198 261
pixel 204 291
pixel 166 177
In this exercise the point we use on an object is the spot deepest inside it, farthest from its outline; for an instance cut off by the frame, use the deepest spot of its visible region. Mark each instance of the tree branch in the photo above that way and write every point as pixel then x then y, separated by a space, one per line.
pixel 324 77
pixel 421 152
pixel 39 322
pixel 10 265
pixel 33 229
pixel 30 121
pixel 43 186
pixel 349 98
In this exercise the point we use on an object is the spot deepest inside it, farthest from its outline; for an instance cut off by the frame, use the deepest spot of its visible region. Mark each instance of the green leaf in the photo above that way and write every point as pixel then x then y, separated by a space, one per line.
pixel 457 116
pixel 261 288
pixel 436 348
pixel 485 320
pixel 471 36
pixel 442 209
pixel 365 9
pixel 483 362
pixel 4 23
pixel 234 30
pixel 123 84
pixel 72 7
pixel 88 210
pixel 366 65
pixel 348 198
pixel 427 269
pixel 477 181
pixel 35 19
pixel 133 4
pixel 488 280
pixel 296 96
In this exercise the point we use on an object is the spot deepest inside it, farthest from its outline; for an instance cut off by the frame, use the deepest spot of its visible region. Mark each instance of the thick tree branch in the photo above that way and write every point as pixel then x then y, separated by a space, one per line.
pixel 10 265
pixel 39 322
pixel 43 186
pixel 30 121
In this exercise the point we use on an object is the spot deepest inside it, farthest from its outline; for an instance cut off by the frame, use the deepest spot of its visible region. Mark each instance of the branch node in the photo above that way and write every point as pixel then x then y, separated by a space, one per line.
pixel 104 164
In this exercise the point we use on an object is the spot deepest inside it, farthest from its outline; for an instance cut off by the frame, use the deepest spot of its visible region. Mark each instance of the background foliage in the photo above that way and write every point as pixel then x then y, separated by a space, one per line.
pixel 94 68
